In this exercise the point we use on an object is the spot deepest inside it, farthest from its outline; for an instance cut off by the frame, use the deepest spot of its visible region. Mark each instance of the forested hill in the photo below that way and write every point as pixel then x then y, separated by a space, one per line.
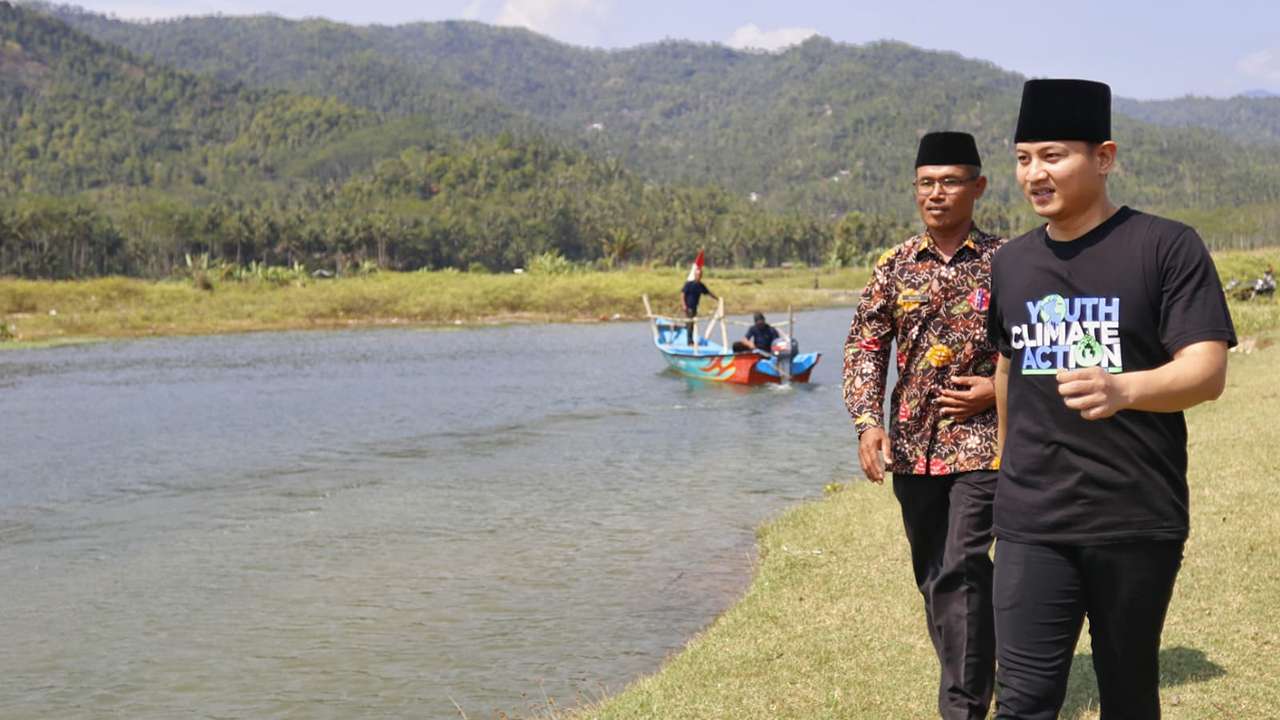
pixel 115 164
pixel 313 57
pixel 1254 119
pixel 822 128
pixel 80 115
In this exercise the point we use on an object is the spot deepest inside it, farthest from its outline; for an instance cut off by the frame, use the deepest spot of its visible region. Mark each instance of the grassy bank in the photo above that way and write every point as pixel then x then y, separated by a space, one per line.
pixel 1251 318
pixel 44 312
pixel 832 626
pixel 47 311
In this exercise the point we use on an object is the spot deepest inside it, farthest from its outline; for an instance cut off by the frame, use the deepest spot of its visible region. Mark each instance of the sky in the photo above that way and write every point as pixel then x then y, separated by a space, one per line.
pixel 1144 49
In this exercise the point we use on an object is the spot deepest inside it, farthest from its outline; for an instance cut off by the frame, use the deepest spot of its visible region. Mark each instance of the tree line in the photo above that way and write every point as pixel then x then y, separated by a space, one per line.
pixel 483 206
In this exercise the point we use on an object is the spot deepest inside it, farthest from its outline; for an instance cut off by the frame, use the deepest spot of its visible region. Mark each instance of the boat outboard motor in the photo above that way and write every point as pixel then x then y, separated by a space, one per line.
pixel 784 350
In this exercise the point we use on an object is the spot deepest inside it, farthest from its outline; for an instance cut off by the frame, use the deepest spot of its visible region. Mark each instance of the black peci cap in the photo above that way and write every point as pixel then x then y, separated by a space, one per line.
pixel 1064 110
pixel 948 148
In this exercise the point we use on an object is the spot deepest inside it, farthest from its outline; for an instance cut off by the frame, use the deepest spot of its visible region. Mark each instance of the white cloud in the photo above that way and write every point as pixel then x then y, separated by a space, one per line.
pixel 1262 65
pixel 577 20
pixel 753 38
pixel 474 10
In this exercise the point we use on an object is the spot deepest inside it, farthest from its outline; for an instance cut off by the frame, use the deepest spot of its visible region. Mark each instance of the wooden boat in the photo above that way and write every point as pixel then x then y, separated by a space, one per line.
pixel 707 360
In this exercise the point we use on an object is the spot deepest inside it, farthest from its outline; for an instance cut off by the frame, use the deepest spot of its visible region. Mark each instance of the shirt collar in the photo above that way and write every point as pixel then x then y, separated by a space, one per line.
pixel 924 243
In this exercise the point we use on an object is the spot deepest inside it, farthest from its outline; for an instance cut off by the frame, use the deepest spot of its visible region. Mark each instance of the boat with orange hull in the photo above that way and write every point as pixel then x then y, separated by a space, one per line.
pixel 705 359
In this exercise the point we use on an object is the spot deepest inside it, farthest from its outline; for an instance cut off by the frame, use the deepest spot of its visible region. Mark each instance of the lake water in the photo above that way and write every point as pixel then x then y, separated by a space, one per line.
pixel 381 523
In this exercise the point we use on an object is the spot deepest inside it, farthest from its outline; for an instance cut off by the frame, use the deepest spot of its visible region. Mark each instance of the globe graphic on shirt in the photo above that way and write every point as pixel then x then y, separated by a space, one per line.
pixel 1087 352
pixel 1053 308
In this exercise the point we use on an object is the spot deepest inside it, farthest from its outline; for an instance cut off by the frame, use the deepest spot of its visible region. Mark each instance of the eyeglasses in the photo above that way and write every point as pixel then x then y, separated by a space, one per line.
pixel 950 185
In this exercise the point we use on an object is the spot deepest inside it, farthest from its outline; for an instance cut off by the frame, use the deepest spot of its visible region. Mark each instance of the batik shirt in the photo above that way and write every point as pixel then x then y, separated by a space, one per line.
pixel 936 311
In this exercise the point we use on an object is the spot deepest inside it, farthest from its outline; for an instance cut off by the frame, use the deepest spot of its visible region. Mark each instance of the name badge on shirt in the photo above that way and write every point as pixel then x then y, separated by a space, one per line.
pixel 914 297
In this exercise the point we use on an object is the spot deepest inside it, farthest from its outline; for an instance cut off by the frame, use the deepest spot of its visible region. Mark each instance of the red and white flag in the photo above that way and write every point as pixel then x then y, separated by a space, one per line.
pixel 695 270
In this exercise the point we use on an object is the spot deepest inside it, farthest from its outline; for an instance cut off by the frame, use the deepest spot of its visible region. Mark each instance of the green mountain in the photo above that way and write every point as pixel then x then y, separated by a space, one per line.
pixel 116 164
pixel 79 115
pixel 1253 119
pixel 462 145
pixel 823 128
pixel 310 57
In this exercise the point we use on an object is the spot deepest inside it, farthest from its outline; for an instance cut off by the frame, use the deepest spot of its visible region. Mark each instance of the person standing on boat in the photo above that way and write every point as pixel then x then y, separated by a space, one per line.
pixel 691 293
pixel 929 295
pixel 1110 322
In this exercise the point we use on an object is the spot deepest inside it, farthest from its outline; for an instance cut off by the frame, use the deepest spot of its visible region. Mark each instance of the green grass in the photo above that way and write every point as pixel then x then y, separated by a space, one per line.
pixel 1245 265
pixel 1256 317
pixel 832 625
pixel 48 311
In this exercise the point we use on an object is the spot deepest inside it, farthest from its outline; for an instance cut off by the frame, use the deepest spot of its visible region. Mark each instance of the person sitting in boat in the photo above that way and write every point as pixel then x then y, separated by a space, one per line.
pixel 759 336
pixel 692 292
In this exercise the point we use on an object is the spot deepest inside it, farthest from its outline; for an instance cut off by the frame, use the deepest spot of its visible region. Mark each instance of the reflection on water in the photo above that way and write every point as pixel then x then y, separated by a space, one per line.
pixel 381 523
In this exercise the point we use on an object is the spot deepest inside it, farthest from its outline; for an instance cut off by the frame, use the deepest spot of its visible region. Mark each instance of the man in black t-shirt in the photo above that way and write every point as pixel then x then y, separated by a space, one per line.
pixel 1110 322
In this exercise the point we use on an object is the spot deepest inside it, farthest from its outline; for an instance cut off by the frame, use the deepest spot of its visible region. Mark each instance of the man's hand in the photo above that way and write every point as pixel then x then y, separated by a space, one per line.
pixel 873 452
pixel 1096 393
pixel 978 395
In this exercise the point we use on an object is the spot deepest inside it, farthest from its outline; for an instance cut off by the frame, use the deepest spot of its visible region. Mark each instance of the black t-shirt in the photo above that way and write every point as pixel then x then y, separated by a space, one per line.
pixel 693 291
pixel 762 336
pixel 1124 296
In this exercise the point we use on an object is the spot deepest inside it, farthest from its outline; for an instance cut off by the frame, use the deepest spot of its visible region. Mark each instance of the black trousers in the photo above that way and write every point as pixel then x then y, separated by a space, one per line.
pixel 1043 593
pixel 948 524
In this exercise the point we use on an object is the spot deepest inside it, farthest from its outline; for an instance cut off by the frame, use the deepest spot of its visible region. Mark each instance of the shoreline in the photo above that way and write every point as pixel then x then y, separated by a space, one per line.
pixel 473 323
pixel 38 313
pixel 44 313
pixel 831 624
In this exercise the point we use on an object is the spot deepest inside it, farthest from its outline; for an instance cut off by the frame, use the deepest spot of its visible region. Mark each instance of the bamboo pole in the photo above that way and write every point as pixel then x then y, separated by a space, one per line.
pixel 648 312
pixel 724 332
pixel 711 325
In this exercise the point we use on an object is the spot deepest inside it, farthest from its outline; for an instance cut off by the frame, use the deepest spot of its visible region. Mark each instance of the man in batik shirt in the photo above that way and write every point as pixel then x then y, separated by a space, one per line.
pixel 930 296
